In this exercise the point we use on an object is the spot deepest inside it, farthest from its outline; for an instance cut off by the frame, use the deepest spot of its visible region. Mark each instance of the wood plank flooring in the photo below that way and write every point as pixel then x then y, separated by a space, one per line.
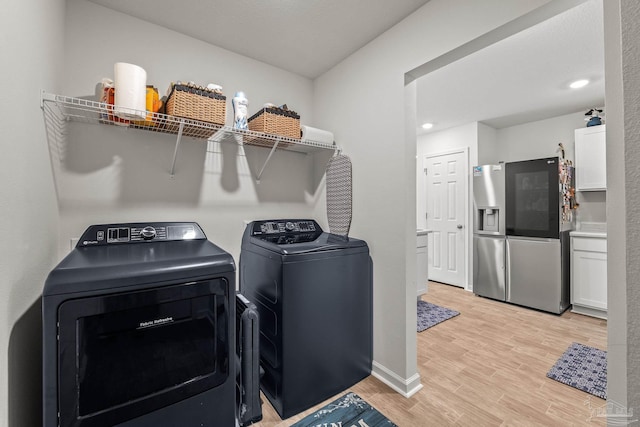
pixel 486 367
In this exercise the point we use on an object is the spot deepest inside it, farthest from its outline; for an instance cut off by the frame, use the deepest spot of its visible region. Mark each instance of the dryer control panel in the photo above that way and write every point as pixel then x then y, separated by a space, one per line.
pixel 107 234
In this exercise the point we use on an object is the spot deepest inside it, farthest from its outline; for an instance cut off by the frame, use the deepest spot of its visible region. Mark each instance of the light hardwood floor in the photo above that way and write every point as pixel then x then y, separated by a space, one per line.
pixel 486 367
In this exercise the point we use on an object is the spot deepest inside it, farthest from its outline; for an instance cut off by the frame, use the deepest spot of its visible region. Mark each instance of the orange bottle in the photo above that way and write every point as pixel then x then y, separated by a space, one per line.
pixel 153 104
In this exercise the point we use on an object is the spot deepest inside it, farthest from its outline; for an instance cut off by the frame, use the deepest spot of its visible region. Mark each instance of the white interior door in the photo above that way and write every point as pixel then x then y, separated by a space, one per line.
pixel 446 186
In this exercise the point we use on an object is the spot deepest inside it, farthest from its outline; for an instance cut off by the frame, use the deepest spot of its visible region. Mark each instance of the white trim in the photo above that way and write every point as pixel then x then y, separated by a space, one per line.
pixel 406 387
pixel 448 152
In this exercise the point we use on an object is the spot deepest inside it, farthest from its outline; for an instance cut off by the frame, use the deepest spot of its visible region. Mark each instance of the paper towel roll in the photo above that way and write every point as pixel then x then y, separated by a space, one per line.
pixel 130 91
pixel 314 134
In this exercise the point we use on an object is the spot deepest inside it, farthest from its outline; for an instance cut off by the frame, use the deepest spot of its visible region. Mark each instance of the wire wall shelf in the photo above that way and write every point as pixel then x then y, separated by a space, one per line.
pixel 65 108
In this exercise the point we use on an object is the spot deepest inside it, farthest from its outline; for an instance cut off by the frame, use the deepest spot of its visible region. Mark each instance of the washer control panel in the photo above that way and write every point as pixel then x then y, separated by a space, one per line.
pixel 286 231
pixel 107 234
pixel 261 228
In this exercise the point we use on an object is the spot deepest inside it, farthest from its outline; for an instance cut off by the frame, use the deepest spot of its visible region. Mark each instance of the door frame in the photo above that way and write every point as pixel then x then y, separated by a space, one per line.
pixel 468 243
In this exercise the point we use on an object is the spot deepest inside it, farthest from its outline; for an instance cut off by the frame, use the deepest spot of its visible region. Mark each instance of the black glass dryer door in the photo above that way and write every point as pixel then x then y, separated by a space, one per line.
pixel 124 355
pixel 533 198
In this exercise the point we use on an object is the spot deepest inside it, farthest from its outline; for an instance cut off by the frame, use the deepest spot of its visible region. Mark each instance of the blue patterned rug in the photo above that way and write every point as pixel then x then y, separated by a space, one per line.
pixel 584 368
pixel 430 315
pixel 349 410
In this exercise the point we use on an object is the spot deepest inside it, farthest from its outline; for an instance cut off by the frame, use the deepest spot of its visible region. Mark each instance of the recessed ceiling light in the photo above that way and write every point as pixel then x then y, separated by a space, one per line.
pixel 579 83
pixel 427 126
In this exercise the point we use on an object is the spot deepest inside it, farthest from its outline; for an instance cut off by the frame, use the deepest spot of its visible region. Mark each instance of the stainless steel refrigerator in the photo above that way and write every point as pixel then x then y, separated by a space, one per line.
pixel 539 208
pixel 523 212
pixel 489 231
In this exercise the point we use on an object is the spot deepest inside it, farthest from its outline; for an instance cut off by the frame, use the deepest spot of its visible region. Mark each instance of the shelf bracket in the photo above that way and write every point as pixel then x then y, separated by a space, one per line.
pixel 175 152
pixel 273 150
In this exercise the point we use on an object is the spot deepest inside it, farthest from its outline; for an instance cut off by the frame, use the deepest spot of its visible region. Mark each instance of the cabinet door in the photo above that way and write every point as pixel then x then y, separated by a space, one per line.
pixel 590 279
pixel 422 262
pixel 591 158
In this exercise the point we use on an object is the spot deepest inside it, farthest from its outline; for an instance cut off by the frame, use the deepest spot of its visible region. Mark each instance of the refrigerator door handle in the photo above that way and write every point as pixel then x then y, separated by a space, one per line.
pixel 507 272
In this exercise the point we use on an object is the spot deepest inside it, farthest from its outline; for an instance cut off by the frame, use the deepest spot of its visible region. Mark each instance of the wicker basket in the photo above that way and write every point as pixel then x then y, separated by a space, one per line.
pixel 276 121
pixel 197 103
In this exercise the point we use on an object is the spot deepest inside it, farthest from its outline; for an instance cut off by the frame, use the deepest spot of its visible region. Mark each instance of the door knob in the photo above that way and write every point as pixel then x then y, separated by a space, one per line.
pixel 459 226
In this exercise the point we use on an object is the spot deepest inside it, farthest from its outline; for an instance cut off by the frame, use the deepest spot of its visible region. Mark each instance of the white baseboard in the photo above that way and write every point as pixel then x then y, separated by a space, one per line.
pixel 406 387
pixel 588 311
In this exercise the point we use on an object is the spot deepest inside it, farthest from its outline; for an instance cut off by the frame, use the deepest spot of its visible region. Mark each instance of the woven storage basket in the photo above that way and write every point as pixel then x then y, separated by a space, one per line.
pixel 276 121
pixel 197 103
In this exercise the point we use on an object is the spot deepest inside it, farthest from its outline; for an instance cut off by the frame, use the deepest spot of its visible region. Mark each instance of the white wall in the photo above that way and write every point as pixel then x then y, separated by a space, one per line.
pixel 535 140
pixel 110 174
pixel 31 42
pixel 622 67
pixel 488 149
pixel 361 100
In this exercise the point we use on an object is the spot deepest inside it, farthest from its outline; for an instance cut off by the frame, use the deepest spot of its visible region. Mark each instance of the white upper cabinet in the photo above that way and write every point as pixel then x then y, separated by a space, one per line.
pixel 591 158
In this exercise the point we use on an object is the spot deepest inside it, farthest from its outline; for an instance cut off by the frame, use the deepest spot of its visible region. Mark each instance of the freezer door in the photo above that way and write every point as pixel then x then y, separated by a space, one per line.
pixel 488 266
pixel 535 274
pixel 488 200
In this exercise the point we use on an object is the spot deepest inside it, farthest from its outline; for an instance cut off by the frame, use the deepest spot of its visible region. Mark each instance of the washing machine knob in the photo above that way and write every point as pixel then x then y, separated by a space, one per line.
pixel 148 233
pixel 289 226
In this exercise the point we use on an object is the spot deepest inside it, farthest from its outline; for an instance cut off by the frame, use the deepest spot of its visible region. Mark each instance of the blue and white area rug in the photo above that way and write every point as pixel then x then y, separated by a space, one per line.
pixel 584 368
pixel 348 411
pixel 430 315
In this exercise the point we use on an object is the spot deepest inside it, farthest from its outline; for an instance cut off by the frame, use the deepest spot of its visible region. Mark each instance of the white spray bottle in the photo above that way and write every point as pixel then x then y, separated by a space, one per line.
pixel 240 103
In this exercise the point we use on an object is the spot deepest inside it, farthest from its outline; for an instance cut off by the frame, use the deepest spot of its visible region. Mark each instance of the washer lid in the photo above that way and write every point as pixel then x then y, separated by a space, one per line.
pixel 323 242
pixel 296 237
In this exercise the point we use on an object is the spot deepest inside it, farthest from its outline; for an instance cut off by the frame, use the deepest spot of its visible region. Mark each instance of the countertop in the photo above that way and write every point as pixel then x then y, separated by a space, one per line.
pixel 591 229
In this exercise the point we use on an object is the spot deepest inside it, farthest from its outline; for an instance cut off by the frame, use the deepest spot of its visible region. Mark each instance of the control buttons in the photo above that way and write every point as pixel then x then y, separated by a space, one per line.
pixel 148 233
pixel 117 235
pixel 289 226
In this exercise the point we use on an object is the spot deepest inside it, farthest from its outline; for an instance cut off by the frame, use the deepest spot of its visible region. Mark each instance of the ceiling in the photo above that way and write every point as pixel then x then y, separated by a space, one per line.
pixel 520 79
pixel 307 37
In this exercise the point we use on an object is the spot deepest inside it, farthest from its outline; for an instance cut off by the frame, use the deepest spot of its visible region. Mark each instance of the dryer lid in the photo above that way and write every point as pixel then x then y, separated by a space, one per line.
pixel 105 259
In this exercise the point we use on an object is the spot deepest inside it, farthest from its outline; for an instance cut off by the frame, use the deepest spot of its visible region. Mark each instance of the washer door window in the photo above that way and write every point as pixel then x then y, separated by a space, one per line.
pixel 123 355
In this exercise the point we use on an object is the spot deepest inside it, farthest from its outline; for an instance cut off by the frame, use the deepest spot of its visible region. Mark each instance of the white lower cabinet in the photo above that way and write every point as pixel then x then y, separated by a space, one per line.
pixel 589 274
pixel 422 262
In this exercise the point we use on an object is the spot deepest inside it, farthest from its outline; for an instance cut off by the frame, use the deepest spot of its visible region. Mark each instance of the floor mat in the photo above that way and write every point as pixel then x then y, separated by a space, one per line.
pixel 348 410
pixel 430 315
pixel 584 368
